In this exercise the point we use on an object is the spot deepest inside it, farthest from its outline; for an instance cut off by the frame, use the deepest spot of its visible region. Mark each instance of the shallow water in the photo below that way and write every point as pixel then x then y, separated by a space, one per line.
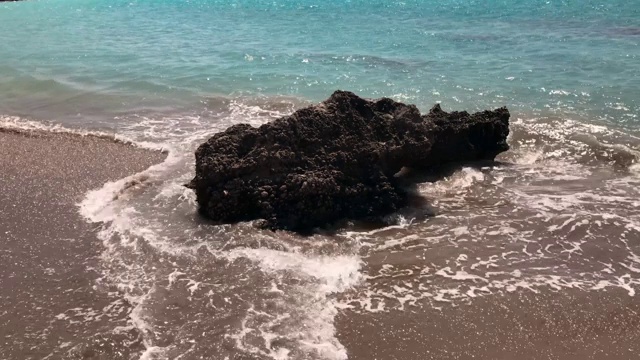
pixel 558 212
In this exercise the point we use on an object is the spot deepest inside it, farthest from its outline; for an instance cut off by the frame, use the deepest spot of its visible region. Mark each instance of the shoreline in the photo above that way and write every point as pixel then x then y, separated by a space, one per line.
pixel 49 271
pixel 51 253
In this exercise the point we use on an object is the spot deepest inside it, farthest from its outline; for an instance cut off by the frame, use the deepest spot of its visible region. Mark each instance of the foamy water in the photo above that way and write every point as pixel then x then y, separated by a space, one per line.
pixel 558 211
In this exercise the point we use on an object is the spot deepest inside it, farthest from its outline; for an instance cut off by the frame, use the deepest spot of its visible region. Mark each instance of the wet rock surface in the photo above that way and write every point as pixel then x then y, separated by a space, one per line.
pixel 335 160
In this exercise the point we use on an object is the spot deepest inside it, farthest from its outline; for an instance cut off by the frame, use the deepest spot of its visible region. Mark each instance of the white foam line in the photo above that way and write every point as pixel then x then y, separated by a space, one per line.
pixel 19 124
pixel 397 242
pixel 459 275
pixel 100 205
pixel 97 205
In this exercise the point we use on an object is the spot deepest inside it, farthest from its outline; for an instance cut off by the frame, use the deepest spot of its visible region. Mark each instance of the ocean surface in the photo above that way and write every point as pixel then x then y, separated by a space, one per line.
pixel 559 212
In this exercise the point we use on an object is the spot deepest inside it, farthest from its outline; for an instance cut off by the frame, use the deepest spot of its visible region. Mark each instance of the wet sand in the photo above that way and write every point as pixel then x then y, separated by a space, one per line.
pixel 49 254
pixel 565 325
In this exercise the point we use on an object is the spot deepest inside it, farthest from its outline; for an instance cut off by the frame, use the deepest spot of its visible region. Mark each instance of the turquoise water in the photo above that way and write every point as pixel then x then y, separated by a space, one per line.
pixel 95 60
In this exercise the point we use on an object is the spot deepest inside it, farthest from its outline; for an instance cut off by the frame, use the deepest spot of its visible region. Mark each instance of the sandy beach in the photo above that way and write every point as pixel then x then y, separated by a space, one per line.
pixel 48 253
pixel 55 305
pixel 105 254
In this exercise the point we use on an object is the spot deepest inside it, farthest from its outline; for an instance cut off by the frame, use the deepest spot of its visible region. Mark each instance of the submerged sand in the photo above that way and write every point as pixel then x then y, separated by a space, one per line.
pixel 48 253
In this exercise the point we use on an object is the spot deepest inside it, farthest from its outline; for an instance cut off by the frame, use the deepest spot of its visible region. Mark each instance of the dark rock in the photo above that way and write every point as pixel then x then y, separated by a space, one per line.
pixel 335 160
